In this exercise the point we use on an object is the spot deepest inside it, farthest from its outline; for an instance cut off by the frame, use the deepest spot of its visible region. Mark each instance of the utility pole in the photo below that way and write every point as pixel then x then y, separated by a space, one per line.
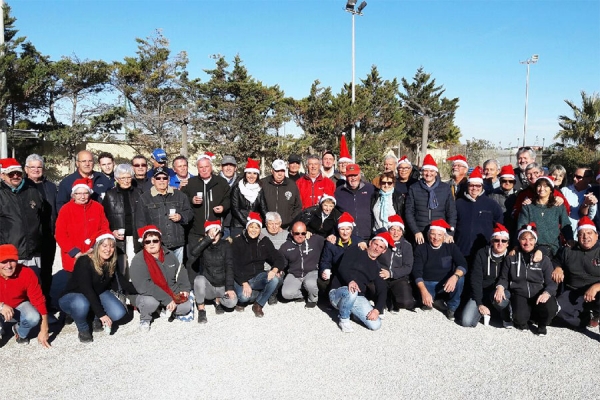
pixel 3 140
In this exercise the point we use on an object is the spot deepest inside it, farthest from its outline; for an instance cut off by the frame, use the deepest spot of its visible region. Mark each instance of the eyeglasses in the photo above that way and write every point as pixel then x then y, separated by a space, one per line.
pixel 500 240
pixel 504 181
pixel 124 178
pixel 82 194
pixel 27 166
pixel 404 168
pixel 12 174
pixel 387 183
pixel 161 178
pixel 299 233
pixel 149 241
pixel 476 186
pixel 140 165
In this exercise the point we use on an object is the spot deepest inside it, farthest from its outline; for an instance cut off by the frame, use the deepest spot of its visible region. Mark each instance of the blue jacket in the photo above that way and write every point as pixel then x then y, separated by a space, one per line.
pixel 475 223
pixel 419 216
pixel 358 204
pixel 101 185
pixel 332 253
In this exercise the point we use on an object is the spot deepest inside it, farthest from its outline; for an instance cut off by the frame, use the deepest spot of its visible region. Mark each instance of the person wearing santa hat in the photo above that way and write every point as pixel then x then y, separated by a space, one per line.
pixel 484 275
pixel 532 289
pixel 439 271
pixel 21 298
pixel 339 177
pixel 156 274
pixel 578 269
pixel 21 212
pixel 396 267
pixel 335 247
pixel 247 196
pixel 428 200
pixel 88 292
pixel 551 219
pixel 506 196
pixel 250 252
pixel 458 180
pixel 216 281
pixel 405 175
pixel 313 184
pixel 77 223
pixel 476 215
pixel 359 269
pixel 321 219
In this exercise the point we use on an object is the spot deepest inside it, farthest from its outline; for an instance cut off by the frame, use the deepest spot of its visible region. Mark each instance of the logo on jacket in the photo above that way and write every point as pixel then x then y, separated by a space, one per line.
pixel 288 195
pixel 32 204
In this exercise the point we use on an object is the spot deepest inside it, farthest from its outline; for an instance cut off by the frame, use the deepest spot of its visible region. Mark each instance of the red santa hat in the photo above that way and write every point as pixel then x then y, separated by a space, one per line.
pixel 208 225
pixel 549 179
pixel 531 228
pixel 346 220
pixel 344 154
pixel 81 183
pixel 429 163
pixel 459 159
pixel 386 238
pixel 586 223
pixel 252 166
pixel 440 225
pixel 9 165
pixel 476 176
pixel 396 220
pixel 403 160
pixel 144 230
pixel 327 197
pixel 500 230
pixel 103 234
pixel 254 217
pixel 507 172
pixel 208 155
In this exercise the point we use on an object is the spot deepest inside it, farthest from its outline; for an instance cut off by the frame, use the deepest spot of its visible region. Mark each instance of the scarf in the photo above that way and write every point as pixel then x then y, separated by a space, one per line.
pixel 384 207
pixel 250 190
pixel 432 203
pixel 156 274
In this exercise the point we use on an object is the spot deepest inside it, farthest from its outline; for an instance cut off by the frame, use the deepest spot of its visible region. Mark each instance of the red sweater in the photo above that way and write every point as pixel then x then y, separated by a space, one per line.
pixel 310 192
pixel 22 286
pixel 76 229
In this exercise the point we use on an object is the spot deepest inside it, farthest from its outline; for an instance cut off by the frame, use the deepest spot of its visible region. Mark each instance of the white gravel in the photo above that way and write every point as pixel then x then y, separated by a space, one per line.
pixel 295 353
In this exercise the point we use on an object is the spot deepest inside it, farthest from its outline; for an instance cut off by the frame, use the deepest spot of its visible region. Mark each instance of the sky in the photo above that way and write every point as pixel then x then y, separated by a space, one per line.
pixel 471 47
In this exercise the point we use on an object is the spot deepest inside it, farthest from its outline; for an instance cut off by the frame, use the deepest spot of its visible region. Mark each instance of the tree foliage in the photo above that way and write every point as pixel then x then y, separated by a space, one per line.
pixel 583 129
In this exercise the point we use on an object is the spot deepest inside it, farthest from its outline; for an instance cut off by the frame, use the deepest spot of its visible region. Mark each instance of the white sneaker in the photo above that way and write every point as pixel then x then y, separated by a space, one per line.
pixel 144 326
pixel 345 325
pixel 507 324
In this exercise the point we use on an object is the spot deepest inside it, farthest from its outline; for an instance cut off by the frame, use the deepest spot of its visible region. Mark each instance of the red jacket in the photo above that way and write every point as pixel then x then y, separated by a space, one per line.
pixel 76 229
pixel 22 286
pixel 310 192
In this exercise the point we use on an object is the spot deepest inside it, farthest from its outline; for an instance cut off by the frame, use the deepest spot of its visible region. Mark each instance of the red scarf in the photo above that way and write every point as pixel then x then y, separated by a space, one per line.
pixel 156 274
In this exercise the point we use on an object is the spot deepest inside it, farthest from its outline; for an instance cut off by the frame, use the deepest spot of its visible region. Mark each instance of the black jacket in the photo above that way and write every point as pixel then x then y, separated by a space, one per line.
pixel 241 207
pixel 21 214
pixel 249 256
pixel 48 190
pixel 399 261
pixel 311 217
pixel 283 199
pixel 419 215
pixel 114 208
pixel 484 273
pixel 217 260
pixel 300 259
pixel 215 193
pixel 581 267
pixel 526 278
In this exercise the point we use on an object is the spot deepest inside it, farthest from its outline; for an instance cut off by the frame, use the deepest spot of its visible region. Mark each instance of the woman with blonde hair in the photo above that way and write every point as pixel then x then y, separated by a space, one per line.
pixel 88 294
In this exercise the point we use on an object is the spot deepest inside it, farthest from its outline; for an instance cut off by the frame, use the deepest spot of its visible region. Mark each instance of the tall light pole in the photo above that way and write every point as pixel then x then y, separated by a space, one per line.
pixel 3 139
pixel 532 60
pixel 350 8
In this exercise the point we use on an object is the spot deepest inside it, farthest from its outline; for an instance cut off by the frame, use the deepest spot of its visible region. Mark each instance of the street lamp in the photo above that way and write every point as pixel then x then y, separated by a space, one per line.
pixel 350 8
pixel 532 60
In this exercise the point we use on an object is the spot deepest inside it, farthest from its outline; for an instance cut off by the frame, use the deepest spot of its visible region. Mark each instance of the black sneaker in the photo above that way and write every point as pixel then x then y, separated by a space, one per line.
pixel 202 317
pixel 97 326
pixel 310 304
pixel 19 339
pixel 273 299
pixel 239 308
pixel 425 308
pixel 219 309
pixel 68 319
pixel 440 305
pixel 450 315
pixel 542 331
pixel 86 337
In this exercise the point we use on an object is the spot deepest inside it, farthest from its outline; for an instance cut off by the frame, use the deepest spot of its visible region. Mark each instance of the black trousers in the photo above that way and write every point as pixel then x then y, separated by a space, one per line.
pixel 572 305
pixel 523 308
pixel 401 293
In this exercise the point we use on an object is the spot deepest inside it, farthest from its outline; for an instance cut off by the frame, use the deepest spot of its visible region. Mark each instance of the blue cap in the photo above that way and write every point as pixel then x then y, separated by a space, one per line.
pixel 159 155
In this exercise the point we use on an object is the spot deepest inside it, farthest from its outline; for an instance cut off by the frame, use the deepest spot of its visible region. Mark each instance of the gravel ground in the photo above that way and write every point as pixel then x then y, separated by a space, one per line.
pixel 297 353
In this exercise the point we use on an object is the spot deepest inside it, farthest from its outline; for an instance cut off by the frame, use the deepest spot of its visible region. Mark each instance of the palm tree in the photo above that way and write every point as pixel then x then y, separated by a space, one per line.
pixel 584 128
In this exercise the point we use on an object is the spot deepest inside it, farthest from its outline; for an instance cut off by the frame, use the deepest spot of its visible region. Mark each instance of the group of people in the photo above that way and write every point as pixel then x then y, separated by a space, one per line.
pixel 498 242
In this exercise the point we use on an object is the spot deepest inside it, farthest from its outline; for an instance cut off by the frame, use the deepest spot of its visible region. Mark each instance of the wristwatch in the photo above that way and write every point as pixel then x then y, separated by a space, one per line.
pixel 457 276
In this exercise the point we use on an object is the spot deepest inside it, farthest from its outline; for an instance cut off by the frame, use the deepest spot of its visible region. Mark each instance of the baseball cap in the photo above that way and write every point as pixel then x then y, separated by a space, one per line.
pixel 160 171
pixel 294 158
pixel 352 169
pixel 278 165
pixel 228 160
pixel 159 155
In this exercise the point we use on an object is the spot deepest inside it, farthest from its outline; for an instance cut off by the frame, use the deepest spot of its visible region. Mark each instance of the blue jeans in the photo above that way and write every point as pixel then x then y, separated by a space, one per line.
pixel 178 252
pixel 27 317
pixel 436 290
pixel 351 303
pixel 78 307
pixel 261 289
pixel 471 314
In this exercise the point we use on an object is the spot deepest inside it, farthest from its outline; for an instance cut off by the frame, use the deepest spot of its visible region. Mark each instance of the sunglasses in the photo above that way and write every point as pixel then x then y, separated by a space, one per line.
pixel 140 165
pixel 503 181
pixel 161 178
pixel 578 177
pixel 151 241
pixel 500 240
pixel 387 183
pixel 12 174
pixel 299 233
